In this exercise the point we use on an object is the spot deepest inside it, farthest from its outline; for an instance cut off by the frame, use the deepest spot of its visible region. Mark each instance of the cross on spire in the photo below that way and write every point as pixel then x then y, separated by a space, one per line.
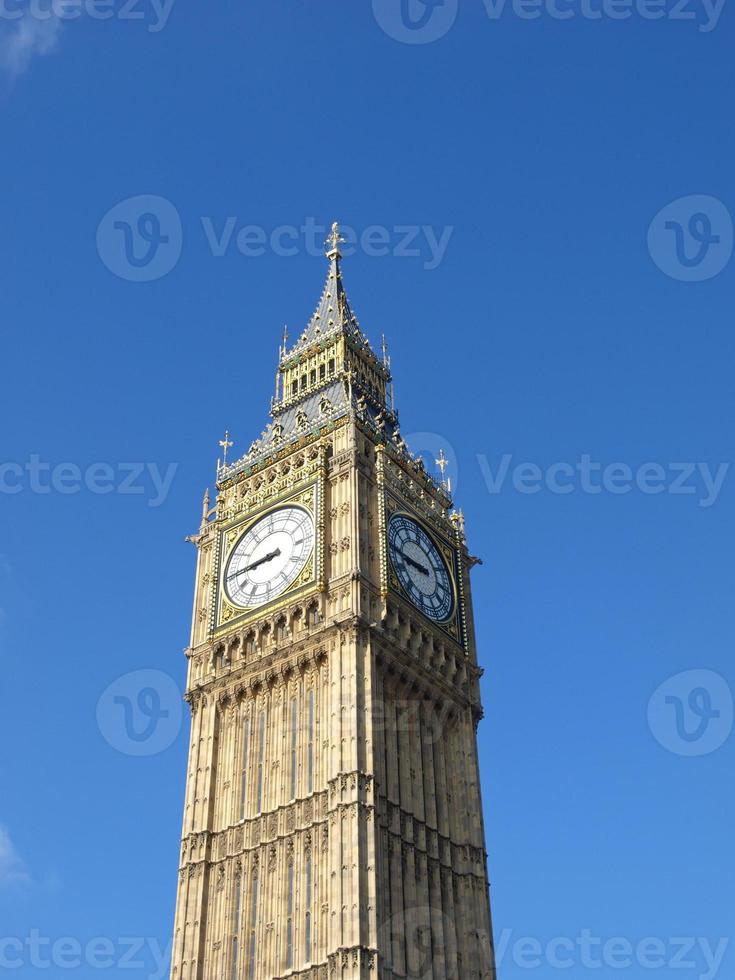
pixel 226 444
pixel 334 239
pixel 442 462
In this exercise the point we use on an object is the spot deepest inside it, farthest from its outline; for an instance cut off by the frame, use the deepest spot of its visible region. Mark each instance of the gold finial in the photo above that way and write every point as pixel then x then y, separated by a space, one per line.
pixel 457 518
pixel 442 462
pixel 334 239
pixel 226 444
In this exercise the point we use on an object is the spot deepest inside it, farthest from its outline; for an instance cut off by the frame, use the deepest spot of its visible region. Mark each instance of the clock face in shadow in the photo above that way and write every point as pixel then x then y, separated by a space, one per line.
pixel 421 568
pixel 269 557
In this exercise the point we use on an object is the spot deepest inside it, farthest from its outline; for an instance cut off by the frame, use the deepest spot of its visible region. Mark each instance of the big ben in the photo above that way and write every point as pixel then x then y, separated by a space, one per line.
pixel 332 819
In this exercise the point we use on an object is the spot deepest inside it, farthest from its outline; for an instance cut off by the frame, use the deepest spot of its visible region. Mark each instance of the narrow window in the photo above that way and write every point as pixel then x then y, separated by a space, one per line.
pixel 312 376
pixel 261 759
pixel 289 920
pixel 294 388
pixel 253 925
pixel 310 747
pixel 294 734
pixel 331 365
pixel 307 922
pixel 303 381
pixel 322 372
pixel 244 767
pixel 236 926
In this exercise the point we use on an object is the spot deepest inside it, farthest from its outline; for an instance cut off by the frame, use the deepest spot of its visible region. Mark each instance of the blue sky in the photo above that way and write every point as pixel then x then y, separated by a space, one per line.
pixel 578 173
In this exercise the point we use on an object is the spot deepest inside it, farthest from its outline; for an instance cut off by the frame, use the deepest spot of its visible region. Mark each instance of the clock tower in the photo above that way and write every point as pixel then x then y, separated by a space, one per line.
pixel 332 820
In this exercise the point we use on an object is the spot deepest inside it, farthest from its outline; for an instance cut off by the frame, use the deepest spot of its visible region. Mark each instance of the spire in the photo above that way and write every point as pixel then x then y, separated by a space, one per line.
pixel 333 313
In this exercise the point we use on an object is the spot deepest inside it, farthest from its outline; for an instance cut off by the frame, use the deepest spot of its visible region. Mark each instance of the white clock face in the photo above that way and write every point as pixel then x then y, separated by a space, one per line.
pixel 420 567
pixel 269 557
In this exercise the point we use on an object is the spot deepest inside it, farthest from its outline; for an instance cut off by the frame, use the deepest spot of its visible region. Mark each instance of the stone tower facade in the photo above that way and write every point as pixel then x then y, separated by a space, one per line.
pixel 332 821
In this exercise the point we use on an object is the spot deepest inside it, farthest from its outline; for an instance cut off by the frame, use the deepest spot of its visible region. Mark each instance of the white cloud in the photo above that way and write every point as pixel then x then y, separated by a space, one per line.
pixel 12 869
pixel 25 38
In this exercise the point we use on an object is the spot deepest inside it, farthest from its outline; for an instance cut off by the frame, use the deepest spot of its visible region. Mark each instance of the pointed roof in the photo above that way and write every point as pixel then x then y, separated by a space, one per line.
pixel 333 313
pixel 338 395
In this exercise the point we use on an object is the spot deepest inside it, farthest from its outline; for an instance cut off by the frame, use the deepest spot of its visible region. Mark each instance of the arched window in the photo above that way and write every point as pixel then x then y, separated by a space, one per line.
pixel 253 927
pixel 294 741
pixel 307 915
pixel 236 927
pixel 310 743
pixel 289 918
pixel 261 761
pixel 244 766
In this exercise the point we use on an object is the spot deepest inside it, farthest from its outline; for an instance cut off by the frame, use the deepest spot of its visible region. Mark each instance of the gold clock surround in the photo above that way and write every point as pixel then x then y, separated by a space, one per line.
pixel 309 580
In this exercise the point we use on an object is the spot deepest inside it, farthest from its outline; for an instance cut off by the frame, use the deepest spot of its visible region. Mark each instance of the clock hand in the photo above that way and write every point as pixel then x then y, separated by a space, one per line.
pixel 255 564
pixel 419 568
pixel 261 561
